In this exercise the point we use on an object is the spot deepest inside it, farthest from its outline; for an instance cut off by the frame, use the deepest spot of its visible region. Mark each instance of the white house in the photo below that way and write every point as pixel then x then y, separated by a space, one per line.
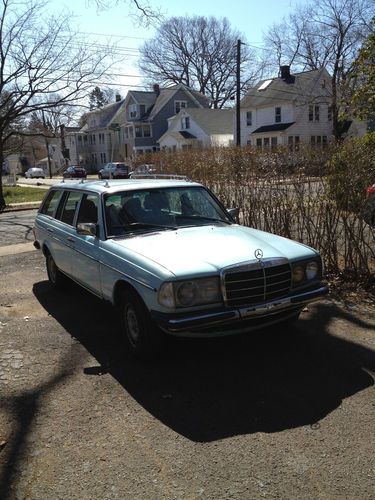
pixel 192 128
pixel 288 110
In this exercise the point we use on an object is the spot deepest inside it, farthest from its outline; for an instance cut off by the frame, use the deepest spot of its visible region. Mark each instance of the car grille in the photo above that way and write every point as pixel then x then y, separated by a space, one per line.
pixel 253 286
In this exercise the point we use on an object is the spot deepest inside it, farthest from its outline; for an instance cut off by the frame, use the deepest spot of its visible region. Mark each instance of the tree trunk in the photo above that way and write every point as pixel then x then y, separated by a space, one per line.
pixel 2 199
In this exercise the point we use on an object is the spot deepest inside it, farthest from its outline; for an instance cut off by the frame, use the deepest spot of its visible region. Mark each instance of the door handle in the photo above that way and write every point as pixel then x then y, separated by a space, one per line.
pixel 69 238
pixel 49 230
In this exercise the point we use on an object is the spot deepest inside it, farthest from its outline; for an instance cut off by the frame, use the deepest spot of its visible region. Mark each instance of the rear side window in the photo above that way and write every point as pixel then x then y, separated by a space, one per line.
pixel 70 207
pixel 88 211
pixel 51 202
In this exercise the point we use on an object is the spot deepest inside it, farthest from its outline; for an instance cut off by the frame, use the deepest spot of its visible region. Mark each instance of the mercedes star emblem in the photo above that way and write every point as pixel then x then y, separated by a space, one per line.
pixel 258 253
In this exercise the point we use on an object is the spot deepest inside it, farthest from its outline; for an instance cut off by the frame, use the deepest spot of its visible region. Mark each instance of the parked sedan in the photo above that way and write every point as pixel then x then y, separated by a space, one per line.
pixel 368 211
pixel 114 170
pixel 35 173
pixel 75 172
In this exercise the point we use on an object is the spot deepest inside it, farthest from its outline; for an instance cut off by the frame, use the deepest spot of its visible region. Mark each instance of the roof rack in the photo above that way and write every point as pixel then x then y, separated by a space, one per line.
pixel 160 176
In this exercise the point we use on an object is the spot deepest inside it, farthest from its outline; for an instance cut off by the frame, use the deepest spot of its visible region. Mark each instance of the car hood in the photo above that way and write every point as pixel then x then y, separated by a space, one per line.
pixel 207 249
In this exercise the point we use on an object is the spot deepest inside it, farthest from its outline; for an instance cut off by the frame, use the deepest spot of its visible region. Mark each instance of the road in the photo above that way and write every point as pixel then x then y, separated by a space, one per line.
pixel 16 227
pixel 285 414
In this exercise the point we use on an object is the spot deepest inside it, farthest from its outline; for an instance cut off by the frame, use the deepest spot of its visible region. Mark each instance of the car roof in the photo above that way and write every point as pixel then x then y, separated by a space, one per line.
pixel 114 185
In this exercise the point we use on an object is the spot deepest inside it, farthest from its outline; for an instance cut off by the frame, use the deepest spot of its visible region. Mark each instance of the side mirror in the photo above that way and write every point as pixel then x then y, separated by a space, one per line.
pixel 234 213
pixel 86 228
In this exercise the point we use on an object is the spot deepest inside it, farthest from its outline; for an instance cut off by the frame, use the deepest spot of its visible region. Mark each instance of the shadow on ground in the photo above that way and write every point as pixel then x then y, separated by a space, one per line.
pixel 207 390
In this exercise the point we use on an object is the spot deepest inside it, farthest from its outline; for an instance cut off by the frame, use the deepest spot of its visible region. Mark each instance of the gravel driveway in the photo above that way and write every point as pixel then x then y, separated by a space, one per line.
pixel 276 414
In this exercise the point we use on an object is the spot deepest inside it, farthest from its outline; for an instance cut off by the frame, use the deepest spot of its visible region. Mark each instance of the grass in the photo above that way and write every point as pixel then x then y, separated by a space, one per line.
pixel 18 194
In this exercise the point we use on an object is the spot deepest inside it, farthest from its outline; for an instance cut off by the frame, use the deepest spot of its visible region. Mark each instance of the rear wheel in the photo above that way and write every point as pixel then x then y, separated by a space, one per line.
pixel 141 334
pixel 57 279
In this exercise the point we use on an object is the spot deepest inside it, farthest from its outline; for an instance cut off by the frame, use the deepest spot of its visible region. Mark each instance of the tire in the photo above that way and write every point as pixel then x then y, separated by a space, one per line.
pixel 56 278
pixel 142 337
pixel 100 176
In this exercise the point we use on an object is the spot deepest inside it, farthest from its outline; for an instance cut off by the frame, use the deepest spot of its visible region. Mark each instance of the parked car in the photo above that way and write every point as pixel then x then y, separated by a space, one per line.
pixel 169 255
pixel 145 169
pixel 368 211
pixel 114 170
pixel 35 173
pixel 74 172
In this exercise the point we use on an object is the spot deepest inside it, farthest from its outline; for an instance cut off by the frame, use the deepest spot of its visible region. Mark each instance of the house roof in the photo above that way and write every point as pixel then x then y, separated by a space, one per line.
pixel 277 127
pixel 307 86
pixel 212 121
pixel 187 135
pixel 167 93
pixel 105 115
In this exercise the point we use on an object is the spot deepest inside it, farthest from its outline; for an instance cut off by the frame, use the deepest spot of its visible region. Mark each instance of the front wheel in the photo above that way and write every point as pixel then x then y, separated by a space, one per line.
pixel 141 335
pixel 57 279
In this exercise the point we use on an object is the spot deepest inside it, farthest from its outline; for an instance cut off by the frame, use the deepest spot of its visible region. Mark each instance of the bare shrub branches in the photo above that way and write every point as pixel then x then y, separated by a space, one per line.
pixel 286 193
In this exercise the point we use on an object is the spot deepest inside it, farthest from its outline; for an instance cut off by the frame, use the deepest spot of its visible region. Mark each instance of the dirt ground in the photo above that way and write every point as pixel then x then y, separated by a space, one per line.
pixel 280 413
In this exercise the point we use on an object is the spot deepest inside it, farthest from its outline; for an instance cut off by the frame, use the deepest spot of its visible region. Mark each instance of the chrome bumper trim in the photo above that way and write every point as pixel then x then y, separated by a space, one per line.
pixel 204 320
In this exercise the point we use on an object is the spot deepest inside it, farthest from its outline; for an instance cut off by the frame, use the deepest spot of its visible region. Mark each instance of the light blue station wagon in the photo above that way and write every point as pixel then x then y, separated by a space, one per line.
pixel 169 255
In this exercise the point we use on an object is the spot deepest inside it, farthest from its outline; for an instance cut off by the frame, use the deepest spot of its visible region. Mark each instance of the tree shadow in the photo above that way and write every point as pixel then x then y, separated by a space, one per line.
pixel 210 389
pixel 24 407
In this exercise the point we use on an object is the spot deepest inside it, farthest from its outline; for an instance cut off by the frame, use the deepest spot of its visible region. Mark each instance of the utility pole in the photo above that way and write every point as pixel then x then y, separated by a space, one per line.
pixel 238 94
pixel 47 145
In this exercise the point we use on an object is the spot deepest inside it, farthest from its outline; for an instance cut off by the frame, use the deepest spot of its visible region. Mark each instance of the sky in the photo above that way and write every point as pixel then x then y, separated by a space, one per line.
pixel 250 17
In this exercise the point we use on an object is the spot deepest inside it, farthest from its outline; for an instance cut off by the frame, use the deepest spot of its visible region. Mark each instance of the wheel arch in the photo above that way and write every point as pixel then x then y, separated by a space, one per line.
pixel 120 287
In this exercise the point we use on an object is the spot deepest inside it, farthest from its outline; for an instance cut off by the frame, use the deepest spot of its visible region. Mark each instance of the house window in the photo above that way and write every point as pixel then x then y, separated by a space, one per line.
pixel 277 115
pixel 249 118
pixel 85 138
pixel 313 113
pixel 142 109
pixel 259 143
pixel 103 158
pixel 101 138
pixel 318 140
pixel 293 142
pixel 266 142
pixel 178 105
pixel 273 142
pixel 131 132
pixel 132 110
pixel 138 131
pixel 146 131
pixel 248 142
pixel 79 138
pixel 329 113
pixel 185 122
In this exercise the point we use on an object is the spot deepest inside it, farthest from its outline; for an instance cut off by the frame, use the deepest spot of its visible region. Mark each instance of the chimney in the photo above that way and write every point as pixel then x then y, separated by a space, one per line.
pixel 156 89
pixel 118 98
pixel 285 72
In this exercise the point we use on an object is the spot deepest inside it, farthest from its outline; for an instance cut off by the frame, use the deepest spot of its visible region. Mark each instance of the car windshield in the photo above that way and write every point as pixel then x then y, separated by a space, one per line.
pixel 129 212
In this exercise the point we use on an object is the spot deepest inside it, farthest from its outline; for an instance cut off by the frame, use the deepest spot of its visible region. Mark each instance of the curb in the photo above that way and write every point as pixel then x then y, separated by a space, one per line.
pixel 16 207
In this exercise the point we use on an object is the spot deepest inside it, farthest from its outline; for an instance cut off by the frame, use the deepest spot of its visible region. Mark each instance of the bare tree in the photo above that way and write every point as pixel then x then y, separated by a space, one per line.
pixel 326 33
pixel 199 52
pixel 43 66
pixel 141 9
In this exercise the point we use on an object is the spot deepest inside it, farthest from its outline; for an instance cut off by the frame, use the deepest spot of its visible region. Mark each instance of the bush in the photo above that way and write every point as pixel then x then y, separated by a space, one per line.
pixel 289 193
pixel 351 170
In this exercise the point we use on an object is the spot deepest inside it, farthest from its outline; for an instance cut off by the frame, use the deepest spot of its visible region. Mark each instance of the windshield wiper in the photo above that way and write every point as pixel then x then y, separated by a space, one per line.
pixel 203 217
pixel 145 225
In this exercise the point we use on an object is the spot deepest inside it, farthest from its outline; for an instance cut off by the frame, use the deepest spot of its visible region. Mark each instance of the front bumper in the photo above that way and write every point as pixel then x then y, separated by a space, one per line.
pixel 226 321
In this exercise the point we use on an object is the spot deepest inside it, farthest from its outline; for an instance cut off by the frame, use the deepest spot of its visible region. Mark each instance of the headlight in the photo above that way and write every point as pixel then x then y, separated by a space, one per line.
pixel 298 274
pixel 312 270
pixel 190 293
pixel 186 293
pixel 304 272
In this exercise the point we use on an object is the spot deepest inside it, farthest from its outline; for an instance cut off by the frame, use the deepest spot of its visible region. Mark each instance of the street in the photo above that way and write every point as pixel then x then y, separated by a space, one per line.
pixel 278 413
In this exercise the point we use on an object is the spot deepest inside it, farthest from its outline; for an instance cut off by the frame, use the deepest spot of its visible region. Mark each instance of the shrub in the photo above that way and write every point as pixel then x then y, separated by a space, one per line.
pixel 351 170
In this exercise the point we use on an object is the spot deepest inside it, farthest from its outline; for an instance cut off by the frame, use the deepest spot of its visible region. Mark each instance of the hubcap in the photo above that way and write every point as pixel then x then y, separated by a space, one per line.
pixel 132 325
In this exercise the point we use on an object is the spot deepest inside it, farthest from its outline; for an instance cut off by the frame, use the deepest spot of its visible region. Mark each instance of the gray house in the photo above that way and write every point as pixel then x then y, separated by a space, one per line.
pixel 144 116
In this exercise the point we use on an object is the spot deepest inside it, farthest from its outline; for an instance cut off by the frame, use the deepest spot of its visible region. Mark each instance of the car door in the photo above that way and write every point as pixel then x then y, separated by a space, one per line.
pixel 64 230
pixel 85 267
